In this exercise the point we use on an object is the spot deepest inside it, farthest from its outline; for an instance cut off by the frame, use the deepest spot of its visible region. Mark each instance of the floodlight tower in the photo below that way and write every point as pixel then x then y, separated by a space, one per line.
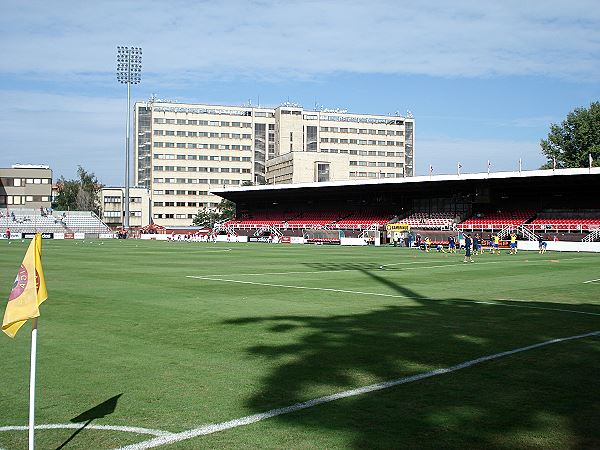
pixel 129 71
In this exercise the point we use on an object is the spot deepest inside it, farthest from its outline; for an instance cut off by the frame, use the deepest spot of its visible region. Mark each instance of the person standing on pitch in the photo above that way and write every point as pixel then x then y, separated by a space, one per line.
pixel 451 244
pixel 513 243
pixel 468 244
pixel 476 244
pixel 496 247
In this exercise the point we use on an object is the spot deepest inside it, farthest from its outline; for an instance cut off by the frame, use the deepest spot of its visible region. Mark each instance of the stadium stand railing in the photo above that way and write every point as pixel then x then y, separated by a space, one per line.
pixel 527 233
pixel 592 237
pixel 564 224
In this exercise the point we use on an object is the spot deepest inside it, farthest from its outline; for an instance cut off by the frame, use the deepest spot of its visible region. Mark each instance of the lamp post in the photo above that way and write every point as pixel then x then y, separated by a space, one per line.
pixel 129 71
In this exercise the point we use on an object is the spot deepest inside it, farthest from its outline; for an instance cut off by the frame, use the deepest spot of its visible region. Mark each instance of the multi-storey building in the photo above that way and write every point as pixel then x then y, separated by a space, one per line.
pixel 112 200
pixel 316 146
pixel 182 151
pixel 25 186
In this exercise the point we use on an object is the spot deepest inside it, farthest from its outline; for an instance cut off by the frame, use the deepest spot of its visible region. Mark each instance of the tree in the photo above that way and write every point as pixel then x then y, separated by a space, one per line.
pixel 571 142
pixel 81 194
pixel 206 217
pixel 227 209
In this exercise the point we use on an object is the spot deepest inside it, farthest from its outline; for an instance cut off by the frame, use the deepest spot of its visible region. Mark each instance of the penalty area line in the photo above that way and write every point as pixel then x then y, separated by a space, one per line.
pixel 591 281
pixel 217 427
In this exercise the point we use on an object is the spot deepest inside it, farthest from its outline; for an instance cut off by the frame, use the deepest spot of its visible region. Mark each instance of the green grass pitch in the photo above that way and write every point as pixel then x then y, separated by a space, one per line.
pixel 128 339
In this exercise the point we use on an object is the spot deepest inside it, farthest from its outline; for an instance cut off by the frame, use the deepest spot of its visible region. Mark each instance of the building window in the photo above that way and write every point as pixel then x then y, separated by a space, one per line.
pixel 322 172
pixel 311 138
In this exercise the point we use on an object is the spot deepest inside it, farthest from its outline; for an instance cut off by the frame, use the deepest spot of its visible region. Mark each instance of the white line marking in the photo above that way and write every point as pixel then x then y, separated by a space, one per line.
pixel 298 287
pixel 591 281
pixel 573 311
pixel 314 271
pixel 215 428
pixel 60 426
pixel 375 266
pixel 379 294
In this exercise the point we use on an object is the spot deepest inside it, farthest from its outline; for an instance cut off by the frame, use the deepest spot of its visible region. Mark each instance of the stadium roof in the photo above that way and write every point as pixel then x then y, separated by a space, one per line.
pixel 544 188
pixel 411 180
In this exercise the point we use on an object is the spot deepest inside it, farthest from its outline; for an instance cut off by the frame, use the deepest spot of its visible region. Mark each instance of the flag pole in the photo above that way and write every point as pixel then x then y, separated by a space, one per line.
pixel 32 382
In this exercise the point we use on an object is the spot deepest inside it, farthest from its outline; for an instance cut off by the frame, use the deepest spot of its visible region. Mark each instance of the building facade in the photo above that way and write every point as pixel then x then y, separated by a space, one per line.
pixel 112 201
pixel 183 151
pixel 25 186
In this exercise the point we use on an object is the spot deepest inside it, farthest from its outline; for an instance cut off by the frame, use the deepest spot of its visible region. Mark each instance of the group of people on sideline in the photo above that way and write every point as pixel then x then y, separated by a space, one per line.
pixel 473 245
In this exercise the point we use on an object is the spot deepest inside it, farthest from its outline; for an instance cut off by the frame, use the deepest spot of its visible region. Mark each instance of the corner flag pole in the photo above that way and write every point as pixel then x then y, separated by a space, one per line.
pixel 32 383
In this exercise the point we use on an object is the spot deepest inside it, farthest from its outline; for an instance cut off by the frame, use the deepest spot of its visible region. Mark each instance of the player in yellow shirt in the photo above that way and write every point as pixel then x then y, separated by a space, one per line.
pixel 513 243
pixel 496 246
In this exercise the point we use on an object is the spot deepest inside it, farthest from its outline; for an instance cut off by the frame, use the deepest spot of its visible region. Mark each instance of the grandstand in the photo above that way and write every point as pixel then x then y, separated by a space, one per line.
pixel 541 201
pixel 48 221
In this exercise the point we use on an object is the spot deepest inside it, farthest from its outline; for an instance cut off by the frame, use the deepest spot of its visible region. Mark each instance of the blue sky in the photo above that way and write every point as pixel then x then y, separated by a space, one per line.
pixel 484 80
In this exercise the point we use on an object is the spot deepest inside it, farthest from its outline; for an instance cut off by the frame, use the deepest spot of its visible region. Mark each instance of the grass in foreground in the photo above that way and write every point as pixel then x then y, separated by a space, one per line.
pixel 124 318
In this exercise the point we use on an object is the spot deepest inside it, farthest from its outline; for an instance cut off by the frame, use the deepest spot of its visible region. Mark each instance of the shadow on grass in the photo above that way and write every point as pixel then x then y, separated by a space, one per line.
pixel 103 409
pixel 546 398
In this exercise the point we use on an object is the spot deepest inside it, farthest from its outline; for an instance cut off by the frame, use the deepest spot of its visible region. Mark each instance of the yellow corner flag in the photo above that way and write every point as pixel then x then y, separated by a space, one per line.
pixel 28 292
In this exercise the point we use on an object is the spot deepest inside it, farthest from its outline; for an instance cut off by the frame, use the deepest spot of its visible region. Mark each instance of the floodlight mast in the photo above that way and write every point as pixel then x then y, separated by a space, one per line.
pixel 129 71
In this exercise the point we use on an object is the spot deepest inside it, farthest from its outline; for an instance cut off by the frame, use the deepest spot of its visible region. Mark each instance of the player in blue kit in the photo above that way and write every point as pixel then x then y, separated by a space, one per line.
pixel 451 244
pixel 468 244
pixel 542 245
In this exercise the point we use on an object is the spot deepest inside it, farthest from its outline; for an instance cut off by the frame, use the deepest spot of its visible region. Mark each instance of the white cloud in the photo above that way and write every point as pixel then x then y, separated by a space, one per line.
pixel 304 38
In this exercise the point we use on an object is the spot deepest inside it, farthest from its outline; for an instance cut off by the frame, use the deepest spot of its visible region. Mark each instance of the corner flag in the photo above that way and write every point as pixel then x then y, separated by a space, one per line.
pixel 28 291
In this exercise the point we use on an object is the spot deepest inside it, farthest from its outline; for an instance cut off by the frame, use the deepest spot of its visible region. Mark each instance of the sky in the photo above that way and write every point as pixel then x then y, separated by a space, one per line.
pixel 483 79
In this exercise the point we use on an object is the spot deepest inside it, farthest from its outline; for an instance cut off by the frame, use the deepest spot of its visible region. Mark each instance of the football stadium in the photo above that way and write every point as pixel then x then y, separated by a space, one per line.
pixel 323 315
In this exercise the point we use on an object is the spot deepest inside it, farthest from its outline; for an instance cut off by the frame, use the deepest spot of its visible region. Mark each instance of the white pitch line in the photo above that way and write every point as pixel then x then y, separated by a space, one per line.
pixel 287 286
pixel 60 426
pixel 572 311
pixel 591 281
pixel 379 294
pixel 215 428
pixel 300 272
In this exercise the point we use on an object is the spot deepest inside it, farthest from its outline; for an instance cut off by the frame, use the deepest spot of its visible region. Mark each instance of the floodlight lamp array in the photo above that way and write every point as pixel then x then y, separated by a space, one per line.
pixel 129 65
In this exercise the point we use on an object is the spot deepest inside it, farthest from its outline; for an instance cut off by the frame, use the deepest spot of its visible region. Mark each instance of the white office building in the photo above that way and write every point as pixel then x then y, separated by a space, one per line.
pixel 182 151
